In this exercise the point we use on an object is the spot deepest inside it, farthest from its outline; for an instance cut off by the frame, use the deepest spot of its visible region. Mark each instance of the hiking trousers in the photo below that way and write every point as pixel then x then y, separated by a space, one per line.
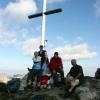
pixel 55 76
pixel 35 73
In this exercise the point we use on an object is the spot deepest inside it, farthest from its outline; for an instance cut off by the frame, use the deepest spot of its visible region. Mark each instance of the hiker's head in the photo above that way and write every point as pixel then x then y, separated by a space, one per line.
pixel 73 62
pixel 44 53
pixel 35 53
pixel 41 47
pixel 56 54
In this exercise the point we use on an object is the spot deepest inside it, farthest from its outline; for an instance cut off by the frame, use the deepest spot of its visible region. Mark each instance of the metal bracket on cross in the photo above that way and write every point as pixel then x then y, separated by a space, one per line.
pixel 43 14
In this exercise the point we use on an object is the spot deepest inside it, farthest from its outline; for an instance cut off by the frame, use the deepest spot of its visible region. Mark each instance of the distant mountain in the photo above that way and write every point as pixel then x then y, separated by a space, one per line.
pixel 4 78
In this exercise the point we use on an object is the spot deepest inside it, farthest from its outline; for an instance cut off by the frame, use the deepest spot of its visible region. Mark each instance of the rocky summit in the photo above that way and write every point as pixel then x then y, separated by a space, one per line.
pixel 90 90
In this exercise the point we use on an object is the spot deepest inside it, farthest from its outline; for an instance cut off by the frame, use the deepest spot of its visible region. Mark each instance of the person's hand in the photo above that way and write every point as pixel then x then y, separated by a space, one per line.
pixel 73 79
pixel 54 71
pixel 60 67
pixel 28 69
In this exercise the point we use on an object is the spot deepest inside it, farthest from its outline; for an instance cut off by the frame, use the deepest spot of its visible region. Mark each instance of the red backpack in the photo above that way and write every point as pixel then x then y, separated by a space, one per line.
pixel 45 79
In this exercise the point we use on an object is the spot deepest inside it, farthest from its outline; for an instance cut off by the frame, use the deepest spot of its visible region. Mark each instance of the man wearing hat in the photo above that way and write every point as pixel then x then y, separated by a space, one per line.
pixel 40 52
pixel 56 66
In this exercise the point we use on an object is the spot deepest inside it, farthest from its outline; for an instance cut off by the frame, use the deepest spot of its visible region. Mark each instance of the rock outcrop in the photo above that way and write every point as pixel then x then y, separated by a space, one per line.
pixel 4 78
pixel 90 90
pixel 97 73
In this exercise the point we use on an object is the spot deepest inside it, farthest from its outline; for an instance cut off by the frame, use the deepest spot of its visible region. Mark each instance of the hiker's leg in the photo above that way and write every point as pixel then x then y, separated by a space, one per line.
pixel 67 92
pixel 62 76
pixel 73 85
pixel 28 77
pixel 39 76
pixel 55 78
pixel 67 87
pixel 31 75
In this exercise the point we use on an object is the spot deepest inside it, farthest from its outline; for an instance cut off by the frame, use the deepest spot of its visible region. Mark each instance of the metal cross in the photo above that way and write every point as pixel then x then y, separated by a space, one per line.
pixel 43 14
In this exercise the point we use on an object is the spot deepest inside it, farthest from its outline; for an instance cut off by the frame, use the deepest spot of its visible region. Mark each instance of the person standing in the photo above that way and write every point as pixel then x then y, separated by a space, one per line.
pixel 41 51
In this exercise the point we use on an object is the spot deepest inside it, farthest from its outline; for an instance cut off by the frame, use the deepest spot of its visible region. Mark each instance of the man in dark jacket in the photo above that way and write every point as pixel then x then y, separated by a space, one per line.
pixel 74 78
pixel 41 51
pixel 56 66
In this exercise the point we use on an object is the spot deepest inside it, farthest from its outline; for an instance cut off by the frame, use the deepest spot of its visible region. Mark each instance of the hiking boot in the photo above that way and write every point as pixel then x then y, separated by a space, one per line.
pixel 66 95
pixel 29 87
pixel 38 88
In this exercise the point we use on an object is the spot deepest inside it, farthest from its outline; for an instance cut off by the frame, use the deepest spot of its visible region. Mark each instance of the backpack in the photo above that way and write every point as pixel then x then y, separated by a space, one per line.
pixel 13 85
pixel 3 87
pixel 45 80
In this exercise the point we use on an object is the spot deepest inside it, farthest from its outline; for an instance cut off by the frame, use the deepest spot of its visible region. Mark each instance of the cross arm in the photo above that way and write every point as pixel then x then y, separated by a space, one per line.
pixel 46 13
pixel 35 15
pixel 53 11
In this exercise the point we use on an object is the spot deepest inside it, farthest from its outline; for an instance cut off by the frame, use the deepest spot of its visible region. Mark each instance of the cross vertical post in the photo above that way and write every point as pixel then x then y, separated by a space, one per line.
pixel 43 14
pixel 43 24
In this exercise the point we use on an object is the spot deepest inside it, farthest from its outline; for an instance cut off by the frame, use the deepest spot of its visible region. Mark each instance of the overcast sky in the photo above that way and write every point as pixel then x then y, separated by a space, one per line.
pixel 74 33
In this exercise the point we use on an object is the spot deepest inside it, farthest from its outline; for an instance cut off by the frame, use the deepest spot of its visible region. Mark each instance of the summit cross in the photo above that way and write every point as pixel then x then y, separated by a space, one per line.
pixel 43 14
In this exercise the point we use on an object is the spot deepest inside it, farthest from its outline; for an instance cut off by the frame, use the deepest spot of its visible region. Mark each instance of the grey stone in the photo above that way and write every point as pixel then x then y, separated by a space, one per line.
pixel 84 93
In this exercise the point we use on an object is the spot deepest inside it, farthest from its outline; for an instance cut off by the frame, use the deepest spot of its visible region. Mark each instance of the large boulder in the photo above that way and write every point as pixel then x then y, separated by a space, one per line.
pixel 84 93
pixel 3 88
pixel 90 90
pixel 13 85
pixel 4 78
pixel 97 73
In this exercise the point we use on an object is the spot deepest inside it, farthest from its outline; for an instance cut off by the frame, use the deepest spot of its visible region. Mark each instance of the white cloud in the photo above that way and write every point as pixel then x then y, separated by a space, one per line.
pixel 97 6
pixel 29 46
pixel 79 38
pixel 38 28
pixel 12 17
pixel 7 37
pixel 80 51
pixel 20 9
pixel 60 38
pixel 15 14
pixel 53 1
pixel 7 41
pixel 6 34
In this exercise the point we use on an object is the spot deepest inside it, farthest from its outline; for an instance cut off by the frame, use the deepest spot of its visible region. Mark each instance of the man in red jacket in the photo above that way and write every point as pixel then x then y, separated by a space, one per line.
pixel 57 66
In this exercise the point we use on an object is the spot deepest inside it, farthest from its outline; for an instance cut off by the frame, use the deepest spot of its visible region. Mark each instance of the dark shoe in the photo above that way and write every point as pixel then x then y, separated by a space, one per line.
pixel 66 95
pixel 56 85
pixel 29 69
pixel 37 88
pixel 29 87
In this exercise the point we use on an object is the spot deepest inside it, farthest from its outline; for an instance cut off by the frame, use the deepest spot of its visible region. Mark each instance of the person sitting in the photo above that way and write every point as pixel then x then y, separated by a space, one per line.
pixel 36 70
pixel 39 65
pixel 46 81
pixel 44 60
pixel 57 66
pixel 74 78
